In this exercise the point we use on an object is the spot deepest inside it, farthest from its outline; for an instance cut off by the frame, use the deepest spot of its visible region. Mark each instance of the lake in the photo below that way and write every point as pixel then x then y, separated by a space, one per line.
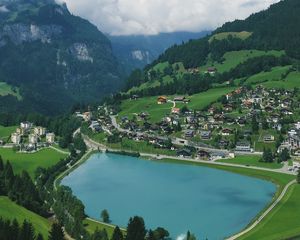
pixel 210 203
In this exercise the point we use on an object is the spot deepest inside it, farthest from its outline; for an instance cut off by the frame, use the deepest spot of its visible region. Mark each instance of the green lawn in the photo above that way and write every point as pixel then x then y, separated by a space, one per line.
pixel 6 89
pixel 91 226
pixel 234 58
pixel 147 104
pixel 5 132
pixel 273 75
pixel 10 210
pixel 251 161
pixel 290 82
pixel 31 161
pixel 282 222
pixel 220 36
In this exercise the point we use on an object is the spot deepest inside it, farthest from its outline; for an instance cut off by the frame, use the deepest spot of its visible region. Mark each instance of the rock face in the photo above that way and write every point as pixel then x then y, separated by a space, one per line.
pixel 55 58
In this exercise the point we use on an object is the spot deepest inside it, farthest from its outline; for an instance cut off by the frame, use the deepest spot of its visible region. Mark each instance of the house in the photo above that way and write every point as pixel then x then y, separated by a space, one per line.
pixel 40 131
pixel 243 147
pixel 297 125
pixel 269 138
pixel 26 125
pixel 211 70
pixel 33 138
pixel 15 138
pixel 87 116
pixel 20 131
pixel 179 99
pixel 189 134
pixel 203 154
pixel 205 135
pixel 135 97
pixel 223 143
pixel 294 141
pixel 50 138
pixel 175 110
pixel 184 152
pixel 226 131
pixel 162 100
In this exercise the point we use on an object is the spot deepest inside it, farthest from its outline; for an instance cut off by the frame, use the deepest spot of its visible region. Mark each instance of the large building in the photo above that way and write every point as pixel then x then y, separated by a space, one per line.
pixel 40 131
pixel 26 125
pixel 33 138
pixel 50 138
pixel 16 138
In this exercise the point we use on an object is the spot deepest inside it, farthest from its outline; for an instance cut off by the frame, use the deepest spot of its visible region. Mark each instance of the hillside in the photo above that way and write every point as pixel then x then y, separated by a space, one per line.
pixel 237 50
pixel 53 58
pixel 136 51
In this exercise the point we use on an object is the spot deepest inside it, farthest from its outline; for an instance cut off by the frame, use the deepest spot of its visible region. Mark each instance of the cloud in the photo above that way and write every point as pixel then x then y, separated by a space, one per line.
pixel 3 9
pixel 125 17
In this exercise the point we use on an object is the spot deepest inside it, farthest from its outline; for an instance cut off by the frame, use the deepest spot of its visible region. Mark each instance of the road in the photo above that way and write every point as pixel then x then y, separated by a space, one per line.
pixel 97 146
pixel 265 213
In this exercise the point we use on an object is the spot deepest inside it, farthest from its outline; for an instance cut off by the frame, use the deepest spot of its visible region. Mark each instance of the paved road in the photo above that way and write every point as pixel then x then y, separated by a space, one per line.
pixel 265 213
pixel 97 146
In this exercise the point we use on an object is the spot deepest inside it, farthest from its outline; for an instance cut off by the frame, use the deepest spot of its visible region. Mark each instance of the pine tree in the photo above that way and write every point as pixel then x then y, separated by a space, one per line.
pixel 39 237
pixel 117 234
pixel 151 235
pixel 56 232
pixel 15 228
pixel 136 229
pixel 27 231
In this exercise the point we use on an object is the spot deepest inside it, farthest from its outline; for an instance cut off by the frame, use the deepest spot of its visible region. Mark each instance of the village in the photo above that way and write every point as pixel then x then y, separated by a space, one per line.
pixel 30 138
pixel 242 122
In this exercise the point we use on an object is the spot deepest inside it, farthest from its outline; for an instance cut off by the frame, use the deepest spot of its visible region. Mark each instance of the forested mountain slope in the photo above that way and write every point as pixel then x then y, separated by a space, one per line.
pixel 236 50
pixel 52 58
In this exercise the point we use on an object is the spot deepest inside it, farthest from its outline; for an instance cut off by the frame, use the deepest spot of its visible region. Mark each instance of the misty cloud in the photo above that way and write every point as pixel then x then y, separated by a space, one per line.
pixel 124 17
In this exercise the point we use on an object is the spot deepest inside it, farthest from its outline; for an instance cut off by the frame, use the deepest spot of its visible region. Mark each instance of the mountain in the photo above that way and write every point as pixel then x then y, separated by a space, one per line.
pixel 52 58
pixel 136 51
pixel 237 50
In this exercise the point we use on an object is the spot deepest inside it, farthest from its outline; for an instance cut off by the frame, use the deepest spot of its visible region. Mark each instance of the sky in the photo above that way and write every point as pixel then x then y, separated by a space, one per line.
pixel 134 17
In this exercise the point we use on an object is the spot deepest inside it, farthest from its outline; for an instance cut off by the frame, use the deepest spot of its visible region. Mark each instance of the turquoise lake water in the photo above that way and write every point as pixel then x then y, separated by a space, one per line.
pixel 208 202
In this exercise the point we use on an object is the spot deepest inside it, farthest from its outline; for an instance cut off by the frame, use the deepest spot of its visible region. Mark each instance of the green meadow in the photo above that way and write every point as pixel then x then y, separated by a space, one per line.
pixel 31 161
pixel 5 132
pixel 6 89
pixel 10 210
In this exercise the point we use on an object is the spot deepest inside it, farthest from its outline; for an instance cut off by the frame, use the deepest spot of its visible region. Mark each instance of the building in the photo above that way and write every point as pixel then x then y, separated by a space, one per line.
pixel 162 100
pixel 16 138
pixel 33 138
pixel 26 125
pixel 243 147
pixel 87 116
pixel 184 152
pixel 20 131
pixel 40 131
pixel 294 141
pixel 189 134
pixel 50 138
pixel 175 110
pixel 203 154
pixel 205 135
pixel 226 132
pixel 269 138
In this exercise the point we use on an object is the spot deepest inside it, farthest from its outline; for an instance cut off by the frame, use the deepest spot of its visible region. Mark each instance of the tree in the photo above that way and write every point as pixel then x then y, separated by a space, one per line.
pixel 267 156
pixel 117 234
pixel 284 155
pixel 298 177
pixel 56 232
pixel 161 233
pixel 136 229
pixel 105 216
pixel 27 231
pixel 254 124
pixel 151 235
pixel 190 236
pixel 39 237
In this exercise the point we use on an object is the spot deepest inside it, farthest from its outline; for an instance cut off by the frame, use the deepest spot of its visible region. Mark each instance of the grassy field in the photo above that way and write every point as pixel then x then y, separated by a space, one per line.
pixel 220 36
pixel 6 89
pixel 282 222
pixel 290 82
pixel 5 132
pixel 274 75
pixel 251 161
pixel 157 112
pixel 31 161
pixel 10 210
pixel 232 59
pixel 91 226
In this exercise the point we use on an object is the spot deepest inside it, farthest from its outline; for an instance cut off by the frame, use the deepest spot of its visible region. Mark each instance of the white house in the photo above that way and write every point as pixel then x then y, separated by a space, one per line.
pixel 33 138
pixel 40 131
pixel 16 138
pixel 26 125
pixel 50 138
